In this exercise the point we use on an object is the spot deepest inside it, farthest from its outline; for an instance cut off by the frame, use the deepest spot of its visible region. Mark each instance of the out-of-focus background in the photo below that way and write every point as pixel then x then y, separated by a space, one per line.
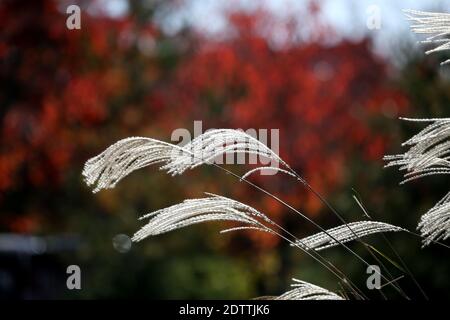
pixel 333 82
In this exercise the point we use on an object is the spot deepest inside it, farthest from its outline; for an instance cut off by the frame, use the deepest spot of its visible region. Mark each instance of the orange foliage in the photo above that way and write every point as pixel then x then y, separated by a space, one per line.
pixel 59 87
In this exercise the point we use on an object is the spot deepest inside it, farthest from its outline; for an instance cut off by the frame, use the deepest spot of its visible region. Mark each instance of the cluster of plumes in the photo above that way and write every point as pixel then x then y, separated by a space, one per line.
pixel 220 208
pixel 429 150
pixel 435 24
pixel 307 291
pixel 211 208
pixel 435 224
pixel 127 155
pixel 345 233
pixel 428 155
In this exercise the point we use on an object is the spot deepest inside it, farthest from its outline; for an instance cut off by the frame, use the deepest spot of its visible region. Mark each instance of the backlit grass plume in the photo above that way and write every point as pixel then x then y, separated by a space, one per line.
pixel 211 208
pixel 434 24
pixel 105 170
pixel 429 151
pixel 217 143
pixel 127 155
pixel 345 233
pixel 307 291
pixel 435 224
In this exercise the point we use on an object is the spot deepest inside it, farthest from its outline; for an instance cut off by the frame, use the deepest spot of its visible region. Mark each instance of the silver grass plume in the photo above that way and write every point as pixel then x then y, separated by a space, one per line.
pixel 345 233
pixel 307 291
pixel 127 155
pixel 105 170
pixel 218 142
pixel 435 24
pixel 429 151
pixel 193 211
pixel 429 154
pixel 435 224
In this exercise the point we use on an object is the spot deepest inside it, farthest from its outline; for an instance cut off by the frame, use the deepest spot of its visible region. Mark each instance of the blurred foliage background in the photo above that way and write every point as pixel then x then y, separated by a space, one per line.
pixel 67 94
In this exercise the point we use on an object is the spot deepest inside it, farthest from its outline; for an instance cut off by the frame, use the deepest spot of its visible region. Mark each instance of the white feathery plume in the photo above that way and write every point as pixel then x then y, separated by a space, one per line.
pixel 307 291
pixel 123 157
pixel 193 211
pixel 345 233
pixel 214 143
pixel 429 152
pixel 435 24
pixel 127 155
pixel 435 224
